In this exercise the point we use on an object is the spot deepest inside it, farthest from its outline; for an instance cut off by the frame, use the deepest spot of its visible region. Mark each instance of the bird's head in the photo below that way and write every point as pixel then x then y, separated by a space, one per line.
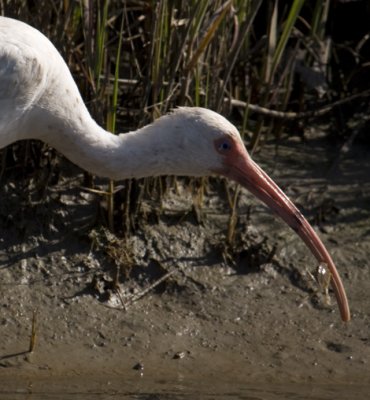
pixel 195 141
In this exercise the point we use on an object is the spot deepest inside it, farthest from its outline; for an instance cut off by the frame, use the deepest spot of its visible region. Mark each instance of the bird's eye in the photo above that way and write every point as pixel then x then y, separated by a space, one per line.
pixel 224 145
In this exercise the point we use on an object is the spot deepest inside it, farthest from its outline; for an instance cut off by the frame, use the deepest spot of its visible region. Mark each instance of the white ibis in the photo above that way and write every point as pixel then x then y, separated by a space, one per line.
pixel 40 100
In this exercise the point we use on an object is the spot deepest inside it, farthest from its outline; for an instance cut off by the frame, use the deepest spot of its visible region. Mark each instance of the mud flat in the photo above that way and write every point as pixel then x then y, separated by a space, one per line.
pixel 250 316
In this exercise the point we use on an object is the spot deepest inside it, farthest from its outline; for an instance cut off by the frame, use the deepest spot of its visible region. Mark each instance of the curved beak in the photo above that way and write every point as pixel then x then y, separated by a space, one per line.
pixel 242 169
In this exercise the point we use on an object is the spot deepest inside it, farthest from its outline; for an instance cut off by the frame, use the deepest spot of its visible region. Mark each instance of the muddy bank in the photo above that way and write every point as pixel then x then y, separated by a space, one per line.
pixel 253 314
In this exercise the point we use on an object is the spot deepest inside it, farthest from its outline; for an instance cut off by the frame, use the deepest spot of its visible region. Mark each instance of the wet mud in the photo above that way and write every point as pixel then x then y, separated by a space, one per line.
pixel 187 308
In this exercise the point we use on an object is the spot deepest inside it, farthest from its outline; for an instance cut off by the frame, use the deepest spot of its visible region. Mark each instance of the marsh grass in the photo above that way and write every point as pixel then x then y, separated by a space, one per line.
pixel 135 60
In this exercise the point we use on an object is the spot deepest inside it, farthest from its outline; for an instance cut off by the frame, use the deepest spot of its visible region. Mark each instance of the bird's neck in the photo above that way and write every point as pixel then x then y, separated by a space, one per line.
pixel 94 149
pixel 138 154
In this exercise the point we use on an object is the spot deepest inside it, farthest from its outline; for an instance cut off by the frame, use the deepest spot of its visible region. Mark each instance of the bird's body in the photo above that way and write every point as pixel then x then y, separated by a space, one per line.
pixel 40 100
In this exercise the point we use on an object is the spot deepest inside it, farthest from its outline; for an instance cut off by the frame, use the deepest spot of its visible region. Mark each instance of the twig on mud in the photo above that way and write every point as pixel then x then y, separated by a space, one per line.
pixel 139 295
pixel 142 293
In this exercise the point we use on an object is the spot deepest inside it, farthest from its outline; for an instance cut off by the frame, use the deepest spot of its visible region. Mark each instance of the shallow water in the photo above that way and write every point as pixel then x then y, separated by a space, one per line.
pixel 83 389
